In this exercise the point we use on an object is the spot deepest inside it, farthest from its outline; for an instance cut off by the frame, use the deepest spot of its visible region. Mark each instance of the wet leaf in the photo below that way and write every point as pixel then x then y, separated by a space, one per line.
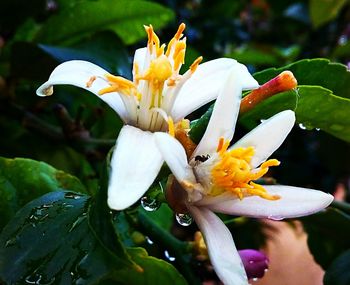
pixel 22 180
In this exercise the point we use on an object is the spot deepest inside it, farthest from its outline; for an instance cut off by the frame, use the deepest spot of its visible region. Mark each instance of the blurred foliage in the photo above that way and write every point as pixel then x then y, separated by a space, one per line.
pixel 73 131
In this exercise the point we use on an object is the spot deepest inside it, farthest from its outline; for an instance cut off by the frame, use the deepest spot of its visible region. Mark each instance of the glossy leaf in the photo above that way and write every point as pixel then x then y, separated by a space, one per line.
pixel 318 72
pixel 155 271
pixel 125 18
pixel 22 180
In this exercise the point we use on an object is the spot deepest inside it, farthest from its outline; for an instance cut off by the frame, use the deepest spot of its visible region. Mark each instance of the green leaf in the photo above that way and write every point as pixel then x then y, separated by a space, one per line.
pixel 318 71
pixel 323 11
pixel 315 107
pixel 22 180
pixel 125 18
pixel 338 273
pixel 104 49
pixel 155 271
pixel 320 108
pixel 46 240
pixel 327 238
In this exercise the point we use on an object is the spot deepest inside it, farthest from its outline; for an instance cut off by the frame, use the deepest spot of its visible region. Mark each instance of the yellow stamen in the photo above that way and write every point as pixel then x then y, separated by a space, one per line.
pixel 181 134
pixel 91 80
pixel 171 127
pixel 159 70
pixel 180 59
pixel 234 173
pixel 195 64
pixel 181 28
pixel 118 84
pixel 220 144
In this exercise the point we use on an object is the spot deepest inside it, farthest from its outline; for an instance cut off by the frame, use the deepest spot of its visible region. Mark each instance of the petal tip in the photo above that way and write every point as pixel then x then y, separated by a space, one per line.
pixel 44 90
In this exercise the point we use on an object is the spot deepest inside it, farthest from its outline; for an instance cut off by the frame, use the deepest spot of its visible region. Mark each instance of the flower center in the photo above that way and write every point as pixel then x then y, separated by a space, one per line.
pixel 234 173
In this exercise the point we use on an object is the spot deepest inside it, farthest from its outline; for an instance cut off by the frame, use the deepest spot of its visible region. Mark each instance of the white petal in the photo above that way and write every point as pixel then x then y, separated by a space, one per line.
pixel 78 73
pixel 223 119
pixel 175 156
pixel 221 247
pixel 202 87
pixel 268 136
pixel 135 164
pixel 140 59
pixel 294 202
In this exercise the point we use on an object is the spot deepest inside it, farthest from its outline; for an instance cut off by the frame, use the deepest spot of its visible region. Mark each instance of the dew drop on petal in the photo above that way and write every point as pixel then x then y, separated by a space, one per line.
pixel 255 279
pixel 275 217
pixel 150 204
pixel 301 126
pixel 184 219
pixel 149 241
pixel 168 256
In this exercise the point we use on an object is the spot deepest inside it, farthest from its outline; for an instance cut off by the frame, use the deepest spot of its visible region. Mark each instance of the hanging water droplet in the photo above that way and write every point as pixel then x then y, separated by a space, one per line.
pixel 302 126
pixel 33 279
pixel 255 279
pixel 317 129
pixel 266 269
pixel 262 120
pixel 275 217
pixel 168 256
pixel 71 195
pixel 150 204
pixel 184 219
pixel 149 241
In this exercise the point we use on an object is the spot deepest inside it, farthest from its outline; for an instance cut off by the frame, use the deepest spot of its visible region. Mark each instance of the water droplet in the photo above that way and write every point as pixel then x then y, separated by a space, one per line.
pixel 266 269
pixel 301 126
pixel 150 204
pixel 33 279
pixel 255 279
pixel 262 120
pixel 149 241
pixel 11 242
pixel 71 195
pixel 317 129
pixel 275 217
pixel 184 219
pixel 168 256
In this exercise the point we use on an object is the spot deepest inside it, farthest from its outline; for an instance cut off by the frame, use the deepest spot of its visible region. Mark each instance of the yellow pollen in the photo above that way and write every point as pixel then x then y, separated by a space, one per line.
pixel 171 127
pixel 153 40
pixel 195 64
pixel 118 84
pixel 234 173
pixel 159 70
pixel 91 80
pixel 181 28
pixel 180 59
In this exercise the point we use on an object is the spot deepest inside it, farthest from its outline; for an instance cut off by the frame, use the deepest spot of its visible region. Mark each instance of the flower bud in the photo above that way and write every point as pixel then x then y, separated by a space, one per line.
pixel 255 262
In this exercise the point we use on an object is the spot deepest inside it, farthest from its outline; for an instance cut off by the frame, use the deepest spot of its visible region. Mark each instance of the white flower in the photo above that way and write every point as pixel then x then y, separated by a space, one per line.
pixel 157 96
pixel 218 178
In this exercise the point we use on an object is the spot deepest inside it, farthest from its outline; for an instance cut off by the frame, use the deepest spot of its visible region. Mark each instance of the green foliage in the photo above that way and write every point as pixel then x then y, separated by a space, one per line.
pixel 125 18
pixel 323 11
pixel 22 180
pixel 51 240
pixel 327 238
pixel 338 273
